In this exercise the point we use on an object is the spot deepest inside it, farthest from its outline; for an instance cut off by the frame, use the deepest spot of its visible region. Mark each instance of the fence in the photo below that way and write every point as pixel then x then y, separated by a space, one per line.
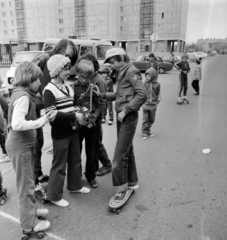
pixel 8 51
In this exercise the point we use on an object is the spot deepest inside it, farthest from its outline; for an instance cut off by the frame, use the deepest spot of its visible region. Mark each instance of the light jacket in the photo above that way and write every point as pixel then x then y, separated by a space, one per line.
pixel 131 93
pixel 198 73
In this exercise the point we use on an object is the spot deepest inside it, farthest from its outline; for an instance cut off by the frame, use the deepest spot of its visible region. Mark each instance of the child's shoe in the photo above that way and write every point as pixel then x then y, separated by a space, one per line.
pixel 103 120
pixel 61 203
pixel 185 100
pixel 119 197
pixel 42 226
pixel 179 101
pixel 41 178
pixel 82 190
pixel 42 212
pixel 144 136
pixel 110 122
pixel 150 135
pixel 134 187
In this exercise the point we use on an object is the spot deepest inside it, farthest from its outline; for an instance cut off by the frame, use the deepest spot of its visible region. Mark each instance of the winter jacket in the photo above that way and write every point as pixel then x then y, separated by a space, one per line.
pixel 131 93
pixel 153 87
pixel 198 73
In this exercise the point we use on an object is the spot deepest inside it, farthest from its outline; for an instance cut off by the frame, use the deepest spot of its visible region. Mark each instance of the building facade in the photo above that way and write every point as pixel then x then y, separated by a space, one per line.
pixel 128 23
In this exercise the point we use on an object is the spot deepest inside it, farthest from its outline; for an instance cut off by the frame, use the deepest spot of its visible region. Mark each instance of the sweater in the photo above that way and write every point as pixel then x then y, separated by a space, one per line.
pixel 198 73
pixel 56 99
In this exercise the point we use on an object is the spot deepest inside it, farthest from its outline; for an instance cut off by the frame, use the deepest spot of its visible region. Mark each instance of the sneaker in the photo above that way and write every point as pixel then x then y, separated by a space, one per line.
pixel 82 190
pixel 93 183
pixel 61 203
pixel 4 158
pixel 144 136
pixel 42 212
pixel 134 187
pixel 110 122
pixel 103 170
pixel 150 135
pixel 120 196
pixel 42 226
pixel 103 120
pixel 196 93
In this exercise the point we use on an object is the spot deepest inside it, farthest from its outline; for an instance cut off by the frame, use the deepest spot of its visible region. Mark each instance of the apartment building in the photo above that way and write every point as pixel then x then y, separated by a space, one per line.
pixel 128 23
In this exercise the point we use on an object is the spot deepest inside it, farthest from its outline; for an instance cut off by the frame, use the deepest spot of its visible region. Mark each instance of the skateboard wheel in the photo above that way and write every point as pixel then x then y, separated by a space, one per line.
pixel 40 235
pixel 24 237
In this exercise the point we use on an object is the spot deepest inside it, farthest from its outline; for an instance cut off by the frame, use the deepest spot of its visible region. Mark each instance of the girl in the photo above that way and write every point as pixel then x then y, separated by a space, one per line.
pixel 20 143
pixel 59 98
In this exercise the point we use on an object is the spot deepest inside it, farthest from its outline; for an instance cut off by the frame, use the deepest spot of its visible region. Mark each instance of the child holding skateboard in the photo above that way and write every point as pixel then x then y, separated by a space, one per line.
pixel 184 69
pixel 150 106
pixel 197 77
pixel 20 143
pixel 130 96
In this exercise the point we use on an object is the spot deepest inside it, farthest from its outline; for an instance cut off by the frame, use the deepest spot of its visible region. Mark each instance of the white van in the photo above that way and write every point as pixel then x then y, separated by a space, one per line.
pixel 96 47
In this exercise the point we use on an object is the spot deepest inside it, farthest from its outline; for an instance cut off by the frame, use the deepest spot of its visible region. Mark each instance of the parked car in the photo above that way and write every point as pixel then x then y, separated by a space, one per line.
pixel 19 58
pixel 199 55
pixel 213 53
pixel 191 57
pixel 168 58
pixel 141 64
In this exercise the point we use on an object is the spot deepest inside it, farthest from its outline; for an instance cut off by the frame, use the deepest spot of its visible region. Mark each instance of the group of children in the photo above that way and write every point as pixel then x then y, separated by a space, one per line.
pixel 75 113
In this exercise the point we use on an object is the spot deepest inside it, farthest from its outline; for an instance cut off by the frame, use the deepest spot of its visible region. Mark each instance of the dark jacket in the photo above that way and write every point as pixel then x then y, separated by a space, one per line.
pixel 153 87
pixel 153 64
pixel 183 66
pixel 131 93
pixel 109 84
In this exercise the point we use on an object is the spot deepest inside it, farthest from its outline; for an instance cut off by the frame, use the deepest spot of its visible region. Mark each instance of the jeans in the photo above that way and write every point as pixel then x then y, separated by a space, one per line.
pixel 66 154
pixel 101 154
pixel 124 166
pixel 149 113
pixel 109 107
pixel 183 78
pixel 38 152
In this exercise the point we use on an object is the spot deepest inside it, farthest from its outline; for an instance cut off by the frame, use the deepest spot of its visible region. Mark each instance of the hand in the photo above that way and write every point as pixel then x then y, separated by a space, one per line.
pixel 51 115
pixel 96 90
pixel 121 116
pixel 80 118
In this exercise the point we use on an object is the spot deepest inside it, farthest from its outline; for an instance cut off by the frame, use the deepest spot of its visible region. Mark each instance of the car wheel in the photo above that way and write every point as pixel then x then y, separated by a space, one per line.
pixel 162 70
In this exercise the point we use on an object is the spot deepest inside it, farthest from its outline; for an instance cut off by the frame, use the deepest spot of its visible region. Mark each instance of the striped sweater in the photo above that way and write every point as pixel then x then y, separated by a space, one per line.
pixel 62 101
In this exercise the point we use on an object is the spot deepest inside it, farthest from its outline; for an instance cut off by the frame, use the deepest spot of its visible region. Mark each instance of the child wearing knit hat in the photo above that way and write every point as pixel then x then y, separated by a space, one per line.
pixel 58 97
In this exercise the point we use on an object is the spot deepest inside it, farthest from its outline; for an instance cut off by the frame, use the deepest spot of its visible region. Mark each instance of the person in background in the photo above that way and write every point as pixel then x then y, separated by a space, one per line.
pixel 197 77
pixel 150 106
pixel 58 97
pixel 101 153
pixel 66 48
pixel 106 72
pixel 20 143
pixel 152 63
pixel 184 69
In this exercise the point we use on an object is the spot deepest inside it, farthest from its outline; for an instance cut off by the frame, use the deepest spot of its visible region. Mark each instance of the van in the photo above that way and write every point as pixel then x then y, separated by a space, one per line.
pixel 96 47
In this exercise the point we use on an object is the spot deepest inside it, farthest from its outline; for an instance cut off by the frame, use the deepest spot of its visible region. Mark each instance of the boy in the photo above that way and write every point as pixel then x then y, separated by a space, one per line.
pixel 184 69
pixel 130 96
pixel 83 95
pixel 153 98
pixel 152 62
pixel 20 143
pixel 109 88
pixel 197 77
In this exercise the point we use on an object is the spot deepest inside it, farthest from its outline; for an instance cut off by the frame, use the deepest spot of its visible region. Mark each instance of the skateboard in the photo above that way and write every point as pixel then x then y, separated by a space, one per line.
pixel 116 207
pixel 41 193
pixel 26 235
pixel 185 101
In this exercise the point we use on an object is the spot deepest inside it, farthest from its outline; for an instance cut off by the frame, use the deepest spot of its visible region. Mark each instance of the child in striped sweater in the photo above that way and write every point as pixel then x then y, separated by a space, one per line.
pixel 66 148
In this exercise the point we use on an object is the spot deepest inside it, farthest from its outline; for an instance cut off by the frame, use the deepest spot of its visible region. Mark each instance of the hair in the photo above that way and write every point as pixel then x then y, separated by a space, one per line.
pixel 151 55
pixel 61 47
pixel 90 57
pixel 86 67
pixel 197 61
pixel 118 58
pixel 26 73
pixel 106 70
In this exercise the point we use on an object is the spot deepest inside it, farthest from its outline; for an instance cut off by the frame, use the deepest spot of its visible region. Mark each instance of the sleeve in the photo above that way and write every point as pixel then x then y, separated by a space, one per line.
pixel 102 102
pixel 110 96
pixel 1 121
pixel 50 105
pixel 140 93
pixel 159 92
pixel 20 111
pixel 177 65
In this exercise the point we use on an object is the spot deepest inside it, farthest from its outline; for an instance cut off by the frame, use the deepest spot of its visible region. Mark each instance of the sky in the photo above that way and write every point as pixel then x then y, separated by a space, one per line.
pixel 206 19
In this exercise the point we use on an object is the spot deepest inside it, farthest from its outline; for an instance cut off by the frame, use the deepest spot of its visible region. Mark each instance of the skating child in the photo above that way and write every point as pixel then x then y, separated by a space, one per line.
pixel 197 77
pixel 3 191
pixel 58 97
pixel 130 96
pixel 109 88
pixel 184 69
pixel 20 143
pixel 83 91
pixel 153 98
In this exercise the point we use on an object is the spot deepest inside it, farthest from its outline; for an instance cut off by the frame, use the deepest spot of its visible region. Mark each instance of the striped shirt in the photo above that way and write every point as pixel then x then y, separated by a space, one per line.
pixel 62 100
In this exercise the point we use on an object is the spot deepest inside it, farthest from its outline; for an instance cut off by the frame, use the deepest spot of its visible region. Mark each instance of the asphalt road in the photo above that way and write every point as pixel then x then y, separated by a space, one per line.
pixel 182 193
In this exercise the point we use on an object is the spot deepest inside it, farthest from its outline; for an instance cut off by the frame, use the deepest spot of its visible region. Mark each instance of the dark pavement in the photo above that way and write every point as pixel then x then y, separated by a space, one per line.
pixel 182 193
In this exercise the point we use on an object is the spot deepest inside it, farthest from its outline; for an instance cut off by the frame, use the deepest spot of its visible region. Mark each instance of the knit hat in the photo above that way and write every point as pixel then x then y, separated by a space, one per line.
pixel 56 63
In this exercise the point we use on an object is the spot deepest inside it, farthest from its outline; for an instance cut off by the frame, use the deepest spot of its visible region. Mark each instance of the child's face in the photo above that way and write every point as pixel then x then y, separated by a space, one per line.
pixel 104 75
pixel 34 86
pixel 148 77
pixel 83 79
pixel 184 59
pixel 64 74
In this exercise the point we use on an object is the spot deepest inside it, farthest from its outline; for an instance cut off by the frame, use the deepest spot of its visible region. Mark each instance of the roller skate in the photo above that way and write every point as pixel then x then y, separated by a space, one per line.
pixel 39 229
pixel 185 100
pixel 3 196
pixel 40 192
pixel 179 101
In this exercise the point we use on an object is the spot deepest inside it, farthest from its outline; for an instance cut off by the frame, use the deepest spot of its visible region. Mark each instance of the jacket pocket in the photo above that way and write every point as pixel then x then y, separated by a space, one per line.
pixel 125 97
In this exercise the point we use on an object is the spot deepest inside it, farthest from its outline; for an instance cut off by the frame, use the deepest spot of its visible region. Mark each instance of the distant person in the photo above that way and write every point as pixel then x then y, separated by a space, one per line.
pixel 150 106
pixel 184 69
pixel 66 48
pixel 197 77
pixel 152 63
pixel 172 58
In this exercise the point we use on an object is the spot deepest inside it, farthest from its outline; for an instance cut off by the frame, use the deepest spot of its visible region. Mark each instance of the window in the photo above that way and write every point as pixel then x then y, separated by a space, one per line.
pixel 173 14
pixel 61 30
pixel 40 20
pixel 3 4
pixel 122 19
pixel 60 21
pixel 69 20
pixel 11 13
pixel 70 10
pixel 173 25
pixel 160 4
pixel 174 3
pixel 159 26
pixel 13 32
pixel 102 17
pixel 162 15
pixel 122 29
pixel 10 4
pixel 4 23
pixel 92 7
pixel 4 14
pixel 121 9
pixel 5 32
pixel 60 11
pixel 69 1
pixel 12 23
pixel 59 2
